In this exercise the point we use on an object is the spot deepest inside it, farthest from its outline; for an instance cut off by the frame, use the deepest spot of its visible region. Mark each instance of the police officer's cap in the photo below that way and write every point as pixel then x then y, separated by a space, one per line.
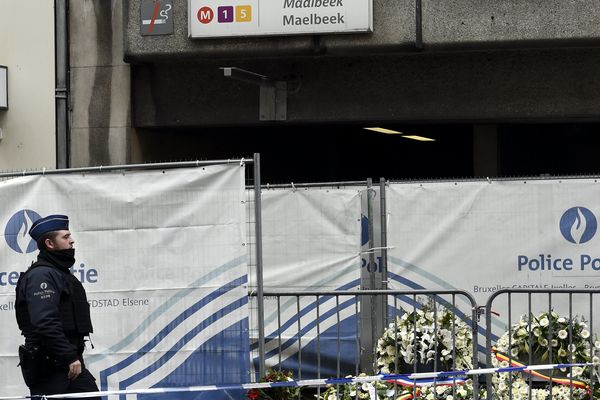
pixel 48 224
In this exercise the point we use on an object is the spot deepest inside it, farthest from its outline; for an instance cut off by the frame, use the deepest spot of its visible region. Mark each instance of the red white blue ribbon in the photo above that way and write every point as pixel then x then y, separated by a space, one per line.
pixel 415 379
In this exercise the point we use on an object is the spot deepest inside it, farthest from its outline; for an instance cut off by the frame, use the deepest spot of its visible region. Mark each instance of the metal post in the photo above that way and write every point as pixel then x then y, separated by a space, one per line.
pixel 488 345
pixel 259 266
pixel 419 24
pixel 383 240
pixel 61 82
pixel 372 285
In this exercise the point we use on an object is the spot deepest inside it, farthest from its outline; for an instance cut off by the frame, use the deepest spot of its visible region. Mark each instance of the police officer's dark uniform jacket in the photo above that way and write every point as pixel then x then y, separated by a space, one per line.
pixel 56 317
pixel 53 314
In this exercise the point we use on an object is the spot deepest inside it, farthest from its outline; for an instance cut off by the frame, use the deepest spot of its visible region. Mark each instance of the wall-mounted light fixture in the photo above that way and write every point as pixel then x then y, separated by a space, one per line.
pixel 272 104
pixel 3 87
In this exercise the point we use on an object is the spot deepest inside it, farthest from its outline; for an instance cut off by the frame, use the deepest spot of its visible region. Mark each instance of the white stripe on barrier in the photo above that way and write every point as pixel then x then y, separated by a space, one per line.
pixel 419 379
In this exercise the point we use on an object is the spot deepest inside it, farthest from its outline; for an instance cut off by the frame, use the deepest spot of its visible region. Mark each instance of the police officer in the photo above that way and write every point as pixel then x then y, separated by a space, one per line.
pixel 53 314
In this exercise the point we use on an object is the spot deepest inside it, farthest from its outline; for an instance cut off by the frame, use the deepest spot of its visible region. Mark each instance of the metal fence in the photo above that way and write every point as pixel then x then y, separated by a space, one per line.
pixel 543 327
pixel 318 336
pixel 322 334
pixel 318 333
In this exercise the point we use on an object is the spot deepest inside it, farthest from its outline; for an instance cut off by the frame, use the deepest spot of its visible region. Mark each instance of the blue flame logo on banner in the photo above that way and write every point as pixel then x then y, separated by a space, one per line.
pixel 15 232
pixel 578 225
pixel 364 230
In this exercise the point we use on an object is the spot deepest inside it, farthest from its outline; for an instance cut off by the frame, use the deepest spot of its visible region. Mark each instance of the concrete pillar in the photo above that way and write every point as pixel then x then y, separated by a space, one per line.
pixel 100 84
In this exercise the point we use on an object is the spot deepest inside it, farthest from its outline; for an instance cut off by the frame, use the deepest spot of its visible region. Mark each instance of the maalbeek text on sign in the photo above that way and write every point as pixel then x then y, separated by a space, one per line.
pixel 312 3
pixel 314 18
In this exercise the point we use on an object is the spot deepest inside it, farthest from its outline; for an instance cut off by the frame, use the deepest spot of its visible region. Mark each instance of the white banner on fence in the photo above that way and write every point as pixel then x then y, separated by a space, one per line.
pixel 485 236
pixel 311 241
pixel 162 256
pixel 311 238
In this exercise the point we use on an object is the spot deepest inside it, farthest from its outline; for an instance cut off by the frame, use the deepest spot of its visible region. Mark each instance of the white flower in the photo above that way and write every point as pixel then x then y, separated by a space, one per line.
pixel 585 333
pixel 563 334
pixel 562 352
pixel 544 321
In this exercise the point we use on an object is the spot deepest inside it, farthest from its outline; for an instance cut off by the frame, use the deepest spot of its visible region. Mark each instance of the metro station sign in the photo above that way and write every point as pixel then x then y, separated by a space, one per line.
pixel 229 18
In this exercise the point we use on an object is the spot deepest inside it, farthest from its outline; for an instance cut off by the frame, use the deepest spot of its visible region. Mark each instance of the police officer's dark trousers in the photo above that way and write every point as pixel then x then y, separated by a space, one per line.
pixel 55 381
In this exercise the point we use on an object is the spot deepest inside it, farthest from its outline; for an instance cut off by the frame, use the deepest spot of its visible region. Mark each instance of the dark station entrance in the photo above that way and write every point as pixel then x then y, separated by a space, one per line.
pixel 339 152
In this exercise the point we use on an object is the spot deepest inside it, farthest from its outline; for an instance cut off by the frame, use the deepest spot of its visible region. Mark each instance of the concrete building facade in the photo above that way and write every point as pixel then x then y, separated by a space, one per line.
pixel 482 65
pixel 27 50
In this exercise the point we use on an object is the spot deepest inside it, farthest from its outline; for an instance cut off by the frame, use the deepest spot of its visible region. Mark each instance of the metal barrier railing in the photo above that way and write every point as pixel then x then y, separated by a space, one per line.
pixel 317 333
pixel 560 322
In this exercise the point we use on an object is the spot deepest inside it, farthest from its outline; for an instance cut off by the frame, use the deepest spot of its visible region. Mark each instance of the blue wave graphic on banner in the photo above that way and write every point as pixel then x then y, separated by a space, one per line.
pixel 180 343
pixel 323 354
pixel 414 285
pixel 213 362
pixel 217 316
pixel 166 306
pixel 327 342
pixel 304 311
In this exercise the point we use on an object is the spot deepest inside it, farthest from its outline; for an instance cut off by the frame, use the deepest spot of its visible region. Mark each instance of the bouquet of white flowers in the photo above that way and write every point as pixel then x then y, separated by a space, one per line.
pixel 545 338
pixel 423 335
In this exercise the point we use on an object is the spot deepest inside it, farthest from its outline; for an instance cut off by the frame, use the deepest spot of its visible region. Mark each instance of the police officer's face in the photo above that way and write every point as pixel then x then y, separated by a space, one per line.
pixel 62 241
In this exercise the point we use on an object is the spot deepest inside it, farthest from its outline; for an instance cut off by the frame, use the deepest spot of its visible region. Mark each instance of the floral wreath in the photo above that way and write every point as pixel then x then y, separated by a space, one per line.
pixel 413 338
pixel 398 345
pixel 431 329
pixel 570 343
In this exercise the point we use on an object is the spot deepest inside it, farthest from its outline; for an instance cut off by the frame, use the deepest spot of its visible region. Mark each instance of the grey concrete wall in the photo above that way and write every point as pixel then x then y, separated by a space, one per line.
pixel 522 85
pixel 461 24
pixel 446 25
pixel 100 84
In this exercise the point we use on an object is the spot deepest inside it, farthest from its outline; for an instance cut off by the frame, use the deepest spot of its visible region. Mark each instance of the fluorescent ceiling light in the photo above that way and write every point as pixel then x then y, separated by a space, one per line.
pixel 383 130
pixel 419 138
